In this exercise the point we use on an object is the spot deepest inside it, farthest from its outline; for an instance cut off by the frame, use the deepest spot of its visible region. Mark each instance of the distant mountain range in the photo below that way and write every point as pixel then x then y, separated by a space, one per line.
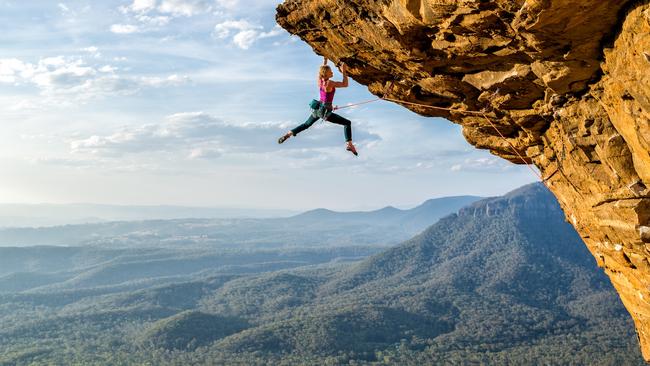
pixel 38 215
pixel 320 227
pixel 415 219
pixel 504 281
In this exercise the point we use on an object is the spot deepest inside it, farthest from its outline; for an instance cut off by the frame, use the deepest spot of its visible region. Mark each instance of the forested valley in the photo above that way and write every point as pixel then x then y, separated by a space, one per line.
pixel 502 280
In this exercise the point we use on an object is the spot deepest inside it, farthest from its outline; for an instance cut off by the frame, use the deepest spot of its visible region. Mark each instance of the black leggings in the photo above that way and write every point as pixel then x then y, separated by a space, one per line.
pixel 334 118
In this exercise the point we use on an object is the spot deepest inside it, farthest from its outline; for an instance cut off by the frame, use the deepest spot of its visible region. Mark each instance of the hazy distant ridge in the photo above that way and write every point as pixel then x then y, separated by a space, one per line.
pixel 322 227
pixel 416 218
pixel 26 215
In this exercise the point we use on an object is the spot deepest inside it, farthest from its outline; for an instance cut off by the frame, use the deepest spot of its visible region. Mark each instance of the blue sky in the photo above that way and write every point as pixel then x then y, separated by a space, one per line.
pixel 182 102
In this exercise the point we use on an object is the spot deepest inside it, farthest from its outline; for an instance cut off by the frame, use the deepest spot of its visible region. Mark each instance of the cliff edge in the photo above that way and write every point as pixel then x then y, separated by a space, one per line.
pixel 567 83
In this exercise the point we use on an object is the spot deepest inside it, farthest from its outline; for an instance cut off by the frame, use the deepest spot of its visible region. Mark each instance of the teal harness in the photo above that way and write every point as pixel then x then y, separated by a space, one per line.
pixel 320 109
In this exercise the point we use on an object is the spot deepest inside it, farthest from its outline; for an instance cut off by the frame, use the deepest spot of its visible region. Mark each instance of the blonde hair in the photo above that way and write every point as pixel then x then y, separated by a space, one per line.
pixel 323 70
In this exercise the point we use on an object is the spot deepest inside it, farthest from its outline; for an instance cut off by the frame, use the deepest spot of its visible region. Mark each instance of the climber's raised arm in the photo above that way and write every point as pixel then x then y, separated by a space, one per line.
pixel 340 84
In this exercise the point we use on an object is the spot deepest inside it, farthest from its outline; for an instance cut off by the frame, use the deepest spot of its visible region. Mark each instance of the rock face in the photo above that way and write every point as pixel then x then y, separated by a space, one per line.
pixel 567 83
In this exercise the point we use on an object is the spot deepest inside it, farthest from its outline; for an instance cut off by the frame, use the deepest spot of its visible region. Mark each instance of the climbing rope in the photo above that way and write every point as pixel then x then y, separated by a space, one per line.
pixel 356 104
pixel 478 113
pixel 386 90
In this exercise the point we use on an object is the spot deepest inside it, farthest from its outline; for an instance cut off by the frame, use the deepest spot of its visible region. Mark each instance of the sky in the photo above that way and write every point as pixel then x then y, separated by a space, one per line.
pixel 181 102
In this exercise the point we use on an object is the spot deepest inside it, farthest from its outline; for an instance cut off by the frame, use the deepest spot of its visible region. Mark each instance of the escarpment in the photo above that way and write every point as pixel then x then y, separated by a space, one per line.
pixel 567 83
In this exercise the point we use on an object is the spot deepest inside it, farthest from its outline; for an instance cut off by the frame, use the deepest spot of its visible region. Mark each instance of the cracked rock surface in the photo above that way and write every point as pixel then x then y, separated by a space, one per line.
pixel 567 83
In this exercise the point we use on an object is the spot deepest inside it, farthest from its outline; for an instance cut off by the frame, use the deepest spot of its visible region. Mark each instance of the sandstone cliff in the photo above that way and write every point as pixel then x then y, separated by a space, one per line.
pixel 566 82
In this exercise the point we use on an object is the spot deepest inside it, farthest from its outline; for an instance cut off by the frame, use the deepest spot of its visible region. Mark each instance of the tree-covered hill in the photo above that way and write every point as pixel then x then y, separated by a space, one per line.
pixel 505 281
pixel 190 329
pixel 503 275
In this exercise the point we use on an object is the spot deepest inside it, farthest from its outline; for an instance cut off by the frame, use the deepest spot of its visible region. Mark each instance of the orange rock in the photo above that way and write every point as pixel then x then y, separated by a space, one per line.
pixel 568 83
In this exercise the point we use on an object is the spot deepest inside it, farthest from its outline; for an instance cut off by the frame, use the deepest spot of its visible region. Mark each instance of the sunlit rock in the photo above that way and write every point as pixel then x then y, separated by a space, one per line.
pixel 566 82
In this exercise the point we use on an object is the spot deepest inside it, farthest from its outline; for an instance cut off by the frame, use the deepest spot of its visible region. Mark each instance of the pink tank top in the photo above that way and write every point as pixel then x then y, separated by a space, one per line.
pixel 324 95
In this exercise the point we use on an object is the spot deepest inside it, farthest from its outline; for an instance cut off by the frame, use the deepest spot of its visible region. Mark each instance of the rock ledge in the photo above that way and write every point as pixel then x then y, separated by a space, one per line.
pixel 566 83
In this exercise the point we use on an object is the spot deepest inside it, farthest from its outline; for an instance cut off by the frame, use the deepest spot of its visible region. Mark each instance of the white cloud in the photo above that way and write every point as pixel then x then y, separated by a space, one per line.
pixel 149 15
pixel 229 4
pixel 224 29
pixel 91 49
pixel 10 70
pixel 107 68
pixel 124 28
pixel 482 164
pixel 205 153
pixel 245 39
pixel 94 51
pixel 193 132
pixel 198 135
pixel 172 80
pixel 63 7
pixel 153 14
pixel 57 72
pixel 245 33
pixel 153 21
pixel 61 77
pixel 185 7
pixel 143 5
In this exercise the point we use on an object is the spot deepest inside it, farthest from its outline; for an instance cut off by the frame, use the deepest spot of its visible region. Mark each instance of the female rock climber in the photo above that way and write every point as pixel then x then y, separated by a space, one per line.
pixel 324 108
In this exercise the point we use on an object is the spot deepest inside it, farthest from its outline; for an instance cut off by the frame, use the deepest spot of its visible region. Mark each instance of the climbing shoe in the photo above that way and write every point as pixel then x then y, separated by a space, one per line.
pixel 283 138
pixel 351 149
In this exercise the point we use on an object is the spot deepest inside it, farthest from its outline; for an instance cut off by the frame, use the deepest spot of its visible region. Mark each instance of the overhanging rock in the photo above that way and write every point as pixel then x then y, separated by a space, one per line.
pixel 566 82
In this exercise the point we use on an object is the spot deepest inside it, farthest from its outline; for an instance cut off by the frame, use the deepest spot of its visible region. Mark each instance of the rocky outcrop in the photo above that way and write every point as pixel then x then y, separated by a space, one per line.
pixel 566 82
